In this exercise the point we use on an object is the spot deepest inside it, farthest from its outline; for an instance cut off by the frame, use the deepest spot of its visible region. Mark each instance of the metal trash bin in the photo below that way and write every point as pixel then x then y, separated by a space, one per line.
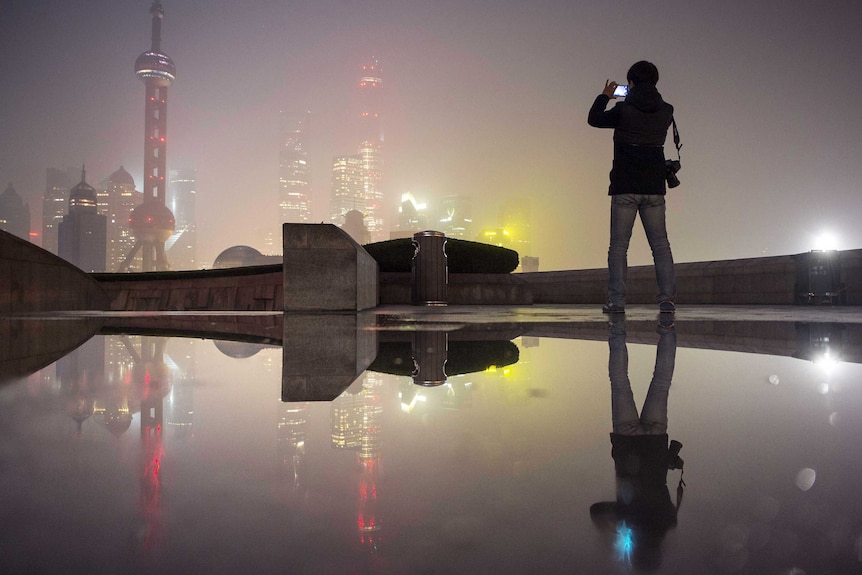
pixel 430 270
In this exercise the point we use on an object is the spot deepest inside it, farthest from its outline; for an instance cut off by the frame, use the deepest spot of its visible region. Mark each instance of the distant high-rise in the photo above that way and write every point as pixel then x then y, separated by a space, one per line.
pixel 152 222
pixel 82 234
pixel 120 198
pixel 455 217
pixel 14 214
pixel 54 204
pixel 371 149
pixel 347 188
pixel 182 196
pixel 294 174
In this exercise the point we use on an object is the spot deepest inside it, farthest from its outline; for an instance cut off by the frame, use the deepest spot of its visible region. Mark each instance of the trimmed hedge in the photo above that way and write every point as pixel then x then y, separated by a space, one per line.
pixel 464 257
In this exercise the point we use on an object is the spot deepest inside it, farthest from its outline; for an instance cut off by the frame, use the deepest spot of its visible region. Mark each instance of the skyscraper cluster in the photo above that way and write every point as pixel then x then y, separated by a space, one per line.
pixel 294 172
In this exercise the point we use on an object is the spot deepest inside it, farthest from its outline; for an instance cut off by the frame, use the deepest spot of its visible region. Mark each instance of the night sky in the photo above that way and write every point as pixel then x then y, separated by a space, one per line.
pixel 486 98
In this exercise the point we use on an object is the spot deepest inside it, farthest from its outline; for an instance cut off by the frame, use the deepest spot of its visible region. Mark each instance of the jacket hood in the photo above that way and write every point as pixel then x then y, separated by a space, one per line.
pixel 646 98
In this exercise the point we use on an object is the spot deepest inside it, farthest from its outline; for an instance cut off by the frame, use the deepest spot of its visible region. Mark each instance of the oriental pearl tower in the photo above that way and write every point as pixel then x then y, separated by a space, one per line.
pixel 152 222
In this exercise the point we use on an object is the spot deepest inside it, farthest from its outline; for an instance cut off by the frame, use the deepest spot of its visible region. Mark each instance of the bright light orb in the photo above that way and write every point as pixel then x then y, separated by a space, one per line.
pixel 805 478
pixel 826 241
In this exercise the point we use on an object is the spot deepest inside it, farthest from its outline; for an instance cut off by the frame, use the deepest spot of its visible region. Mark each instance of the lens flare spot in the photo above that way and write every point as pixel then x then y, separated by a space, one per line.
pixel 823 388
pixel 774 379
pixel 805 478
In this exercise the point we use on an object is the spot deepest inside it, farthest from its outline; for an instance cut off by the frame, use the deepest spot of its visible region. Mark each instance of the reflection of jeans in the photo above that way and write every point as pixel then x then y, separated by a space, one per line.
pixel 653 416
pixel 624 208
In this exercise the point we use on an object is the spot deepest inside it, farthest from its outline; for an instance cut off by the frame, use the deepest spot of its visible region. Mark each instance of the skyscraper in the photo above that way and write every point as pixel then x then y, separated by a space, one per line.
pixel 294 174
pixel 54 204
pixel 83 232
pixel 371 149
pixel 120 199
pixel 182 196
pixel 152 222
pixel 347 188
pixel 14 214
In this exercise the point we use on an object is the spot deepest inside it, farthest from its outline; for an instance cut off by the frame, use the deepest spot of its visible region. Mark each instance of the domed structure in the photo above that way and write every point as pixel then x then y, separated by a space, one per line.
pixel 156 67
pixel 237 257
pixel 122 177
pixel 152 221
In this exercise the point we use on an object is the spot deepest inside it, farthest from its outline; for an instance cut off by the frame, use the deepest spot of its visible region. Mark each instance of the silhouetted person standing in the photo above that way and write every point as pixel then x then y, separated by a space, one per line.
pixel 643 511
pixel 640 124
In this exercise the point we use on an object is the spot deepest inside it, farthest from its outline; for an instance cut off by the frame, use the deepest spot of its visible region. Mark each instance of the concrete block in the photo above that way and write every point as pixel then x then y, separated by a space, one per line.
pixel 326 270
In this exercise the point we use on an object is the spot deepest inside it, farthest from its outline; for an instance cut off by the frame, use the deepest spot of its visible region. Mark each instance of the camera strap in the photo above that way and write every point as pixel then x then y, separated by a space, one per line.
pixel 676 141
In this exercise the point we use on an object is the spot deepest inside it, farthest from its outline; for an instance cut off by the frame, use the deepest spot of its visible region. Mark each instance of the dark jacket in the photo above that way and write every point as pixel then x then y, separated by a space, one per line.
pixel 640 124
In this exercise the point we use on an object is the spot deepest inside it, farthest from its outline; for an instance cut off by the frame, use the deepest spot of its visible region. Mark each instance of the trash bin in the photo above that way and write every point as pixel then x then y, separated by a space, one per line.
pixel 430 269
pixel 430 351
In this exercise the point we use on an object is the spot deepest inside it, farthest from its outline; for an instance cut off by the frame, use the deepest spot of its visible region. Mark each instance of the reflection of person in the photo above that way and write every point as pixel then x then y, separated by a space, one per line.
pixel 643 511
pixel 640 124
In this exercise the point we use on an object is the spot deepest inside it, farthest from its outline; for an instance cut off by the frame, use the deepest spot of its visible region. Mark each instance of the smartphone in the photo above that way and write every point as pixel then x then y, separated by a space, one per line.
pixel 621 91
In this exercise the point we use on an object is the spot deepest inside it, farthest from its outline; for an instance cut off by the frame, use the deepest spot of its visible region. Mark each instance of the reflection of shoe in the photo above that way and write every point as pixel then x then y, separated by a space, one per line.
pixel 666 306
pixel 613 308
pixel 665 323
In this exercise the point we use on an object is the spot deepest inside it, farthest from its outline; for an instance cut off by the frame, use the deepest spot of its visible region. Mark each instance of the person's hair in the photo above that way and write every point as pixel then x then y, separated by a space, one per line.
pixel 643 72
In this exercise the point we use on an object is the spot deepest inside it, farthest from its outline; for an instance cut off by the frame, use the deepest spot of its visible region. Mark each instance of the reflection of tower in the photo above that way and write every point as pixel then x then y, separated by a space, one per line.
pixel 152 222
pixel 182 195
pixel 292 432
pixel 83 232
pixel 371 149
pixel 294 174
pixel 356 426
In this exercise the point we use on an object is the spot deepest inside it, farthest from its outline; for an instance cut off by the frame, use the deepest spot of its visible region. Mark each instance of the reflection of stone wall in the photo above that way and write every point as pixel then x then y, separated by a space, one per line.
pixel 35 280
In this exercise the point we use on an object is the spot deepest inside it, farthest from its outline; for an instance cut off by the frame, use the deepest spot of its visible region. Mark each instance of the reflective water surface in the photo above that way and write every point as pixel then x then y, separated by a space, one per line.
pixel 144 453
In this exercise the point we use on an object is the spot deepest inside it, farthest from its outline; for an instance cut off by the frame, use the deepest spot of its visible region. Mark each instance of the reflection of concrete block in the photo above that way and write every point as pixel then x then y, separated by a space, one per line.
pixel 324 354
pixel 325 269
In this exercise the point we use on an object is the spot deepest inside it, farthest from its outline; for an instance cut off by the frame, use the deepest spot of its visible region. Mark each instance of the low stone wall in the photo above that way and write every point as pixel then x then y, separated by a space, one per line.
pixel 254 288
pixel 463 289
pixel 35 280
pixel 778 280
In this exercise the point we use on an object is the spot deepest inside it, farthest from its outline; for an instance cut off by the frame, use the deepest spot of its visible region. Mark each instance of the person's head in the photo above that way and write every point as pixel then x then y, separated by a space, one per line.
pixel 642 72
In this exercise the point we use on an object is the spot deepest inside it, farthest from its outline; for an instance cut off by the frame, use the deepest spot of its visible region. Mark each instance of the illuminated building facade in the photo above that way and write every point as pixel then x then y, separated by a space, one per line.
pixel 54 204
pixel 294 174
pixel 152 222
pixel 14 214
pixel 371 149
pixel 82 234
pixel 346 191
pixel 455 217
pixel 116 203
pixel 182 199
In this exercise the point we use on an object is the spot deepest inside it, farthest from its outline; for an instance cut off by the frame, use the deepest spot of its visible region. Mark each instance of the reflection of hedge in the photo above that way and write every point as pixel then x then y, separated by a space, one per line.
pixel 462 256
pixel 396 358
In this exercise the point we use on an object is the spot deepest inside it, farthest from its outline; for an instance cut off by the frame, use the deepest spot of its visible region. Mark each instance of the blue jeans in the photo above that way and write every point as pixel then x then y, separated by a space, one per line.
pixel 624 209
pixel 652 419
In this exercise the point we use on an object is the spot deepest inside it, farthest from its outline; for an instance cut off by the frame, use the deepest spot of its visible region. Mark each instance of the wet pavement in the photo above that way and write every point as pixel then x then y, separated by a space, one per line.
pixel 457 440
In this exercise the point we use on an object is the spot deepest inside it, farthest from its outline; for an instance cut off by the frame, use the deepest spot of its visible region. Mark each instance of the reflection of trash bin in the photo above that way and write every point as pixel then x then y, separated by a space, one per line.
pixel 430 350
pixel 430 269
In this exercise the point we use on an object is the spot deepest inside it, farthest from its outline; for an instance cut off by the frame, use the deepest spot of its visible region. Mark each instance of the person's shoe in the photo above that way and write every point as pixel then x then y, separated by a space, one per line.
pixel 666 306
pixel 665 323
pixel 613 308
